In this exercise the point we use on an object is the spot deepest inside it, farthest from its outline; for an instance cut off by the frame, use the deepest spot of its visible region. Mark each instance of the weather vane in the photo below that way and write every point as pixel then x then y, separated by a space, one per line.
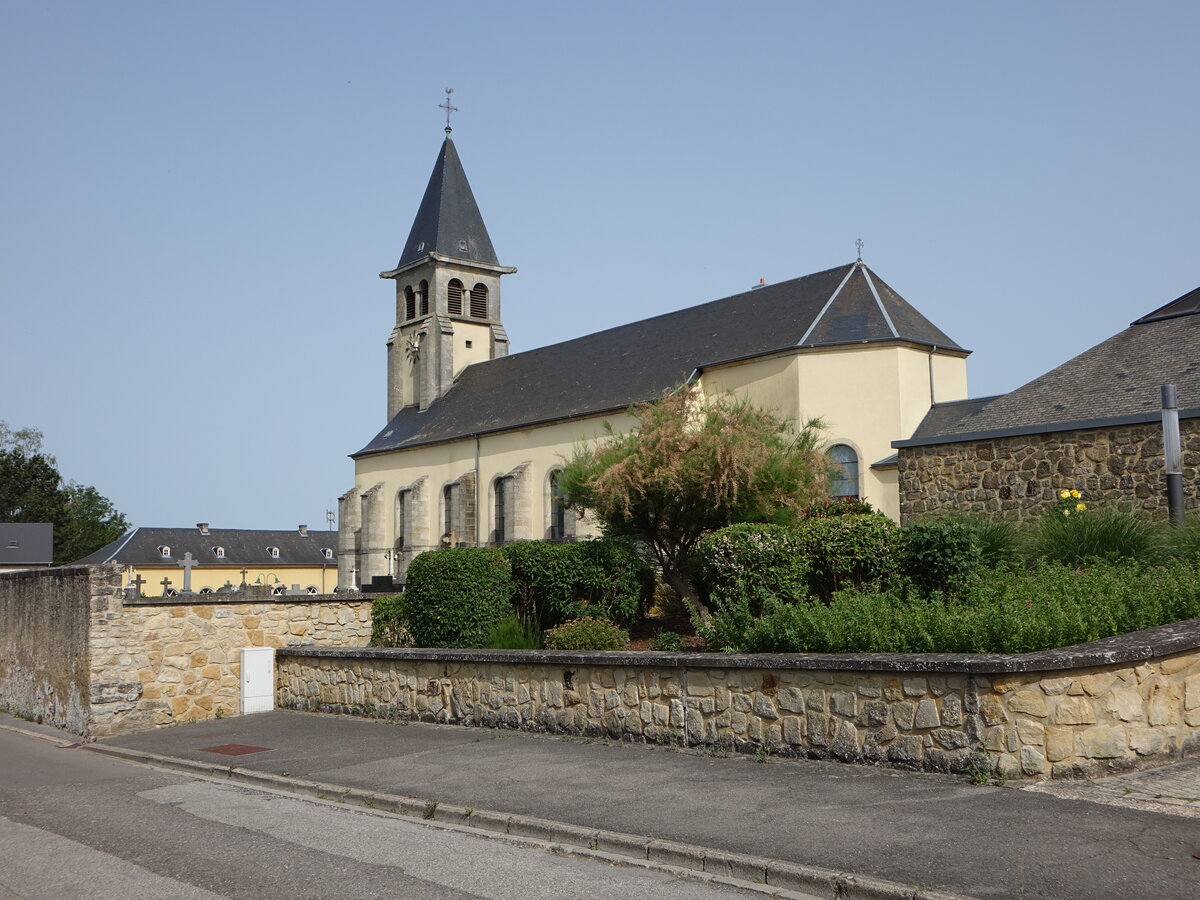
pixel 448 108
pixel 858 245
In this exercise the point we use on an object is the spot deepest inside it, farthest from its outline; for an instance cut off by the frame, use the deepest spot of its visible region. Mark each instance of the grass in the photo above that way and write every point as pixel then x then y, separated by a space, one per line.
pixel 509 634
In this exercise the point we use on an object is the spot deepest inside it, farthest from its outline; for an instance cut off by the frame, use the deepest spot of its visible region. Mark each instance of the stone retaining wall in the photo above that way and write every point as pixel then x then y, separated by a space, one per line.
pixel 1119 467
pixel 1114 705
pixel 74 653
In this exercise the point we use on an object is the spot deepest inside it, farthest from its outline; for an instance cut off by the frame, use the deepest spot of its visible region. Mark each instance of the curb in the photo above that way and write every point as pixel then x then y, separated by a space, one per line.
pixel 774 877
pixel 42 735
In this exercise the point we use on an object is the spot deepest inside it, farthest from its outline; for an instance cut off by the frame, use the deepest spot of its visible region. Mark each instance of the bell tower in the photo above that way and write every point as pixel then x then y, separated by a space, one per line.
pixel 447 291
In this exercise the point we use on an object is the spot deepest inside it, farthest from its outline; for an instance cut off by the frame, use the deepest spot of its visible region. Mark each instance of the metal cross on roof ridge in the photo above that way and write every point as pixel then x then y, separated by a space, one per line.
pixel 858 245
pixel 445 104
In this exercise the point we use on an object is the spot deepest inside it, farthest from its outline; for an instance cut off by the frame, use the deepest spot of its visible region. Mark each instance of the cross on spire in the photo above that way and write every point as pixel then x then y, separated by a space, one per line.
pixel 445 104
pixel 858 245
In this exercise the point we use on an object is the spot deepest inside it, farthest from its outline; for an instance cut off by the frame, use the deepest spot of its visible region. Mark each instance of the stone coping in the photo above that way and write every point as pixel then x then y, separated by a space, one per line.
pixel 234 599
pixel 1163 640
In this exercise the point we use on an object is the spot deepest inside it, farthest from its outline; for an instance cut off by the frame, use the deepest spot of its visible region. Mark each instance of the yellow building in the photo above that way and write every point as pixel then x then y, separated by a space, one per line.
pixel 474 436
pixel 222 560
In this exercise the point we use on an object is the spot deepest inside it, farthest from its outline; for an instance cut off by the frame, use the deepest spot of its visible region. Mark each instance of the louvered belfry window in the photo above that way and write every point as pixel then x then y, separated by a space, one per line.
pixel 454 292
pixel 410 303
pixel 479 306
pixel 424 298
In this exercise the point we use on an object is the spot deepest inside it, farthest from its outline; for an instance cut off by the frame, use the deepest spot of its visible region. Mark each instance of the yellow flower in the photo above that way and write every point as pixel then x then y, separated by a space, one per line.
pixel 1075 495
pixel 1064 494
pixel 1080 507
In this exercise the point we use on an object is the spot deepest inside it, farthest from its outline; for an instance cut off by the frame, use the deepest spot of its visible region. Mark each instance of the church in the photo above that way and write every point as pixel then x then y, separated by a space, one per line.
pixel 475 436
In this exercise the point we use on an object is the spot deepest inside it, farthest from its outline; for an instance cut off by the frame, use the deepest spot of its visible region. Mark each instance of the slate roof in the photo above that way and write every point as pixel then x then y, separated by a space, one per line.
pixel 243 547
pixel 448 221
pixel 26 543
pixel 1116 382
pixel 610 370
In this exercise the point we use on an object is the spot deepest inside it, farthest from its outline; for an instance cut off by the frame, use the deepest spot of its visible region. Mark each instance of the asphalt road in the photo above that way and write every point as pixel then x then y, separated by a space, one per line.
pixel 76 824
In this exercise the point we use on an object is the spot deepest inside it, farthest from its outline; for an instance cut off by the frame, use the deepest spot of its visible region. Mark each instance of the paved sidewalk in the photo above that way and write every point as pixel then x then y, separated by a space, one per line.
pixel 920 830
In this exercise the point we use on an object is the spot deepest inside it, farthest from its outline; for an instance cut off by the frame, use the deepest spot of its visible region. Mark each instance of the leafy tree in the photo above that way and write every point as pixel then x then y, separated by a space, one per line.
pixel 692 466
pixel 32 490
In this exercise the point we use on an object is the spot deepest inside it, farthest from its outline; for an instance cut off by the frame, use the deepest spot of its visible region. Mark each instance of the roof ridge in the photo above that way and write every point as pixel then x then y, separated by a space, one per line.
pixel 828 303
pixel 874 293
pixel 525 353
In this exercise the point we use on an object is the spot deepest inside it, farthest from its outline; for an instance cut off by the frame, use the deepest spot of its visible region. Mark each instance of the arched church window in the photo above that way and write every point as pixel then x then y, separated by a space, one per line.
pixel 845 471
pixel 448 514
pixel 454 295
pixel 479 301
pixel 410 303
pixel 424 298
pixel 500 533
pixel 558 509
pixel 402 524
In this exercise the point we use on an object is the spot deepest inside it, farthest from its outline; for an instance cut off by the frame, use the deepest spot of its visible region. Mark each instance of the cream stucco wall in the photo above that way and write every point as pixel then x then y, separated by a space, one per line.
pixel 323 578
pixel 867 395
pixel 529 455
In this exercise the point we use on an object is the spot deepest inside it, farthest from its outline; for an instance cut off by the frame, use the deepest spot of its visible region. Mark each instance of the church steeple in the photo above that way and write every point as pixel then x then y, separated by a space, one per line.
pixel 447 291
pixel 448 221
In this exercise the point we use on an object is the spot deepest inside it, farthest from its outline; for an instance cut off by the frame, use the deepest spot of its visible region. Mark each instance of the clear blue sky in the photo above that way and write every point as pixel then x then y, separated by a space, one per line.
pixel 197 198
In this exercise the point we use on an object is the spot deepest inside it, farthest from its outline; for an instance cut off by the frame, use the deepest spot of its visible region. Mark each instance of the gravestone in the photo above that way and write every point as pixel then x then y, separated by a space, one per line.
pixel 188 563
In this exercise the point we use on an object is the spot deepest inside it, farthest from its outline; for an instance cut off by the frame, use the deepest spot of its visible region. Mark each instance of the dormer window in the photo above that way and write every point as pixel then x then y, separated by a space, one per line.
pixel 219 552
pixel 327 553
pixel 274 551
pixel 164 551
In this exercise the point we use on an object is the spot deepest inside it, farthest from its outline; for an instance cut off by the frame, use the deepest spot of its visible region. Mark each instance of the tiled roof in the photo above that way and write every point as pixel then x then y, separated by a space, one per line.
pixel 1117 380
pixel 613 369
pixel 26 543
pixel 242 546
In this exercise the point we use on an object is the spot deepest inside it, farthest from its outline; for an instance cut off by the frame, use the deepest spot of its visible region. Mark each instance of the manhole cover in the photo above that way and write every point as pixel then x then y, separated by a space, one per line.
pixel 233 749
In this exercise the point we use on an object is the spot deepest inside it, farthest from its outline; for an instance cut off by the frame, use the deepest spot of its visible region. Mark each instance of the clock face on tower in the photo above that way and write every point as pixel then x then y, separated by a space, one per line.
pixel 412 346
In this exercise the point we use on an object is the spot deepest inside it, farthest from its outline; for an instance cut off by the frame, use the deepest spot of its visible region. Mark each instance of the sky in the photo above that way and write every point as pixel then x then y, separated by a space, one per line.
pixel 196 199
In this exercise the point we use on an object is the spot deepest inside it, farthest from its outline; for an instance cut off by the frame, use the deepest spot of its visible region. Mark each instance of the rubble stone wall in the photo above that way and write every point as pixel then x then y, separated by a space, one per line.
pixel 918 712
pixel 44 625
pixel 75 653
pixel 1019 477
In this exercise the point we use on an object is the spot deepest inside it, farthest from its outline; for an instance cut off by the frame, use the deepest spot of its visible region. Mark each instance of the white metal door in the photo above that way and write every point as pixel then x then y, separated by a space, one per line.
pixel 258 679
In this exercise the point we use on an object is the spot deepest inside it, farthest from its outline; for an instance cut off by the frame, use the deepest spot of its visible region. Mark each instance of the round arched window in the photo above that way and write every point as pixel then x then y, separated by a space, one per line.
pixel 845 471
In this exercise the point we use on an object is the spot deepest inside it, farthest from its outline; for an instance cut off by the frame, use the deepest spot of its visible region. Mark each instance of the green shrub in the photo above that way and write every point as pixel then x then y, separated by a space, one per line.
pixel 848 551
pixel 389 622
pixel 544 575
pixel 557 582
pixel 1051 605
pixel 938 555
pixel 455 596
pixel 751 561
pixel 1184 543
pixel 667 642
pixel 510 634
pixel 841 506
pixel 587 634
pixel 615 581
pixel 999 539
pixel 1100 535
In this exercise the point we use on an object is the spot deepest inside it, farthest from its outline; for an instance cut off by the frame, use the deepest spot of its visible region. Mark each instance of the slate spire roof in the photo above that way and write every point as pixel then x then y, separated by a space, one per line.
pixel 611 370
pixel 448 221
pixel 1116 382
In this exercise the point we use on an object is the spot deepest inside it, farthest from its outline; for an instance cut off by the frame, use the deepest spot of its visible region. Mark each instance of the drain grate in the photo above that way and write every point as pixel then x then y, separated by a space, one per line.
pixel 234 749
